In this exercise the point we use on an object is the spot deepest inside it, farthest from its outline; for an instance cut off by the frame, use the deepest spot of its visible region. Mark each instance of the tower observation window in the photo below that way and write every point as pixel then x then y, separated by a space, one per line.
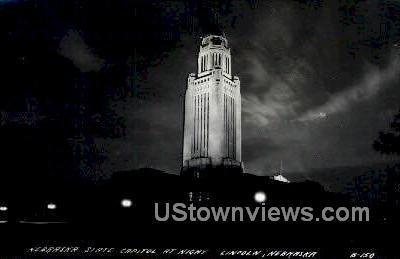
pixel 216 41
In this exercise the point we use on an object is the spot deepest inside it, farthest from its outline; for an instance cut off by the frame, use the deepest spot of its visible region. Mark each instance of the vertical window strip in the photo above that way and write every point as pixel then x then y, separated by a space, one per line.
pixel 224 126
pixel 198 124
pixel 195 124
pixel 231 124
pixel 230 135
pixel 226 129
pixel 208 119
pixel 234 129
pixel 204 124
pixel 225 136
pixel 192 148
pixel 201 125
pixel 213 59
pixel 229 127
pixel 227 124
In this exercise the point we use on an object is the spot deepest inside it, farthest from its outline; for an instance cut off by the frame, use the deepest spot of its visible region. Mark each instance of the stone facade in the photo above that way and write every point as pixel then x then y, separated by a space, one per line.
pixel 212 127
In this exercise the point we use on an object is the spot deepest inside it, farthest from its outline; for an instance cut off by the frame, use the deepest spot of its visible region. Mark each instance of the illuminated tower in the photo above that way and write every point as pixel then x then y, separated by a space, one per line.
pixel 212 126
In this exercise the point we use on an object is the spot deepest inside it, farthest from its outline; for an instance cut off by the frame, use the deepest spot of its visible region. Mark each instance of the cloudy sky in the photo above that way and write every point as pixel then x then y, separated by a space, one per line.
pixel 319 79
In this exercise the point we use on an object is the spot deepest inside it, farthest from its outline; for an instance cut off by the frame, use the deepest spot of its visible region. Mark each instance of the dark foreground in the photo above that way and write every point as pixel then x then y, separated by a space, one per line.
pixel 331 241
pixel 91 221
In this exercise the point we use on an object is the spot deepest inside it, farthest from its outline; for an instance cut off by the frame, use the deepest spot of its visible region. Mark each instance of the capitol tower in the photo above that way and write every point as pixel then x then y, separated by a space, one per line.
pixel 212 126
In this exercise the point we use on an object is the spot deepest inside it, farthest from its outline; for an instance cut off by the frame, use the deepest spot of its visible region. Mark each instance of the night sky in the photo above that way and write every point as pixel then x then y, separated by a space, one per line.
pixel 319 79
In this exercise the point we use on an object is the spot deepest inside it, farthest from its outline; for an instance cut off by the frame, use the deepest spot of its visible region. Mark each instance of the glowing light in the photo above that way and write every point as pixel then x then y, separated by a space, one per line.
pixel 322 115
pixel 126 203
pixel 3 208
pixel 51 206
pixel 260 197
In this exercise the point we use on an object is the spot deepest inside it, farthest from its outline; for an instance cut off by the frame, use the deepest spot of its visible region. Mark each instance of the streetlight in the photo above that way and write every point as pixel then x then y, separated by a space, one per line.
pixel 260 197
pixel 51 206
pixel 126 203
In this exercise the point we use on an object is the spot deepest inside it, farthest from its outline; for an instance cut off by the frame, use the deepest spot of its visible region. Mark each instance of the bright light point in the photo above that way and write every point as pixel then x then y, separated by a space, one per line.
pixel 3 208
pixel 260 197
pixel 322 115
pixel 126 203
pixel 51 206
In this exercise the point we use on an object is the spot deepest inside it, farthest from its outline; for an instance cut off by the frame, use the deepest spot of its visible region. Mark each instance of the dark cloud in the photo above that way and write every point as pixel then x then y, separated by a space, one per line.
pixel 319 78
pixel 73 47
pixel 312 85
pixel 305 71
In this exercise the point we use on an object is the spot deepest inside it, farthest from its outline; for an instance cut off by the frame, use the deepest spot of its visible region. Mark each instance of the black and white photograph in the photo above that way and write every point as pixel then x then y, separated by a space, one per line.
pixel 200 129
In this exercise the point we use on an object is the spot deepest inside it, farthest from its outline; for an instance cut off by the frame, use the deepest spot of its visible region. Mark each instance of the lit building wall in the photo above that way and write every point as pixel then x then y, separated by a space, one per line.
pixel 212 127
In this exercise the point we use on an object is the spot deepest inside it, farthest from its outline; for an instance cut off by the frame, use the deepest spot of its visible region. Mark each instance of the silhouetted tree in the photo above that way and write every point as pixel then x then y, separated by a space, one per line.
pixel 389 142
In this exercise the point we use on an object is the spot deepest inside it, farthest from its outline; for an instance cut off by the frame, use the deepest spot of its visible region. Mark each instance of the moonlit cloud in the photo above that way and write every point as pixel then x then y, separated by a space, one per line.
pixel 373 80
pixel 73 47
pixel 271 96
pixel 298 67
pixel 317 80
